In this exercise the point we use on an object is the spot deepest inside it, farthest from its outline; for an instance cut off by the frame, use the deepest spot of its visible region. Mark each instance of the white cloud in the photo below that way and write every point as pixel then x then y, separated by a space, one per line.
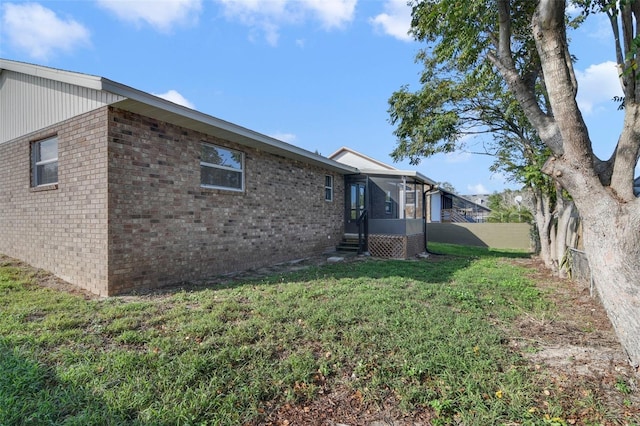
pixel 477 189
pixel 285 137
pixel 332 13
pixel 267 17
pixel 175 97
pixel 396 21
pixel 39 31
pixel 162 15
pixel 597 85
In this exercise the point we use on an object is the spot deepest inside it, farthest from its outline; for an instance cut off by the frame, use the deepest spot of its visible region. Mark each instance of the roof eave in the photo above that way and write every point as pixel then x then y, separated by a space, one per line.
pixel 139 100
pixel 407 173
pixel 221 128
pixel 84 80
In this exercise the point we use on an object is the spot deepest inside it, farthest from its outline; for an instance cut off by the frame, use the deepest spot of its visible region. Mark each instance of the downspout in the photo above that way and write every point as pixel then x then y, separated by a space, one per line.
pixel 403 198
pixel 424 214
pixel 367 201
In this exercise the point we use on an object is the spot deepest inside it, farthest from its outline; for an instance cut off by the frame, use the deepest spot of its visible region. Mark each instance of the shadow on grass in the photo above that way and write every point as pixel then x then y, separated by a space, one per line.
pixel 31 394
pixel 445 261
pixel 358 320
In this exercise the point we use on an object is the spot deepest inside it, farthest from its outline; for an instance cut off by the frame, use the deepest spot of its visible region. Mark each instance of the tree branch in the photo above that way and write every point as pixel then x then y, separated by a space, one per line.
pixel 522 91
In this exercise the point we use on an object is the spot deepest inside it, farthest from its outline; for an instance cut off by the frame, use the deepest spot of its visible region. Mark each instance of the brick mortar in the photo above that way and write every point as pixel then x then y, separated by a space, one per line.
pixel 61 228
pixel 165 228
pixel 128 211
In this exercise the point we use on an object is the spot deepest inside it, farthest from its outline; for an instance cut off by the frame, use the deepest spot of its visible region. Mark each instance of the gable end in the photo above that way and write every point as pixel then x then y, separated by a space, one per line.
pixel 29 103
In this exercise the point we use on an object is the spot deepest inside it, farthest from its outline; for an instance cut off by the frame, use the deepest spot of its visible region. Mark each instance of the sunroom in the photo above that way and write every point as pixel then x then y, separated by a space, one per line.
pixel 385 211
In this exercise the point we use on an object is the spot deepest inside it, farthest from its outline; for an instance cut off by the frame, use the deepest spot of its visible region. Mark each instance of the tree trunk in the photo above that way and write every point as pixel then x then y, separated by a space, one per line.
pixel 610 218
pixel 543 217
pixel 553 247
pixel 612 243
pixel 565 210
pixel 610 214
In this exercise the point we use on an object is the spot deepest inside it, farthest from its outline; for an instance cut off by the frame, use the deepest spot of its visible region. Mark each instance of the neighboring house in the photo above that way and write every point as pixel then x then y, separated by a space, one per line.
pixel 636 187
pixel 385 205
pixel 114 189
pixel 480 199
pixel 447 207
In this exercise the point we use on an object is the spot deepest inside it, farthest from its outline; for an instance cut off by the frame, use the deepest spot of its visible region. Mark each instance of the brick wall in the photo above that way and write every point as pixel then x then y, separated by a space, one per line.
pixel 62 229
pixel 415 245
pixel 165 228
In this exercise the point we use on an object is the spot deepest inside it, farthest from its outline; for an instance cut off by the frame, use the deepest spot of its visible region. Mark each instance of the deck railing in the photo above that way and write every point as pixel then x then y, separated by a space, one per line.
pixel 454 216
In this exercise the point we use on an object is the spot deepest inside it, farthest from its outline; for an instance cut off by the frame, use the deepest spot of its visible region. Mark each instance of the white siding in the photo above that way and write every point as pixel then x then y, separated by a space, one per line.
pixel 436 207
pixel 354 160
pixel 29 103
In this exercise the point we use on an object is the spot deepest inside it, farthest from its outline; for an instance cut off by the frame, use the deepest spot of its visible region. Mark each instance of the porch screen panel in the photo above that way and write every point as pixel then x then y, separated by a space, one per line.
pixel 410 201
pixel 357 200
pixel 383 193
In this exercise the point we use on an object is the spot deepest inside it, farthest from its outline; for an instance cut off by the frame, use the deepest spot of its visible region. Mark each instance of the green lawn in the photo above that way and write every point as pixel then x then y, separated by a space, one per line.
pixel 429 335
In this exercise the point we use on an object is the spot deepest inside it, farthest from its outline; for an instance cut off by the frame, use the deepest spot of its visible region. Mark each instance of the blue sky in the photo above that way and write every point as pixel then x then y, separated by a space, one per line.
pixel 314 73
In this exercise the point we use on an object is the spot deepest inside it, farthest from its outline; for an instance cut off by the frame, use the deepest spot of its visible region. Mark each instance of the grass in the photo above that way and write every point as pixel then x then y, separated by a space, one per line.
pixel 429 335
pixel 469 251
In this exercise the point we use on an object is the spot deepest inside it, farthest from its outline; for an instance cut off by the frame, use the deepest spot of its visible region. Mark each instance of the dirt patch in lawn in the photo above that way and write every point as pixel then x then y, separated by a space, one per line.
pixel 581 364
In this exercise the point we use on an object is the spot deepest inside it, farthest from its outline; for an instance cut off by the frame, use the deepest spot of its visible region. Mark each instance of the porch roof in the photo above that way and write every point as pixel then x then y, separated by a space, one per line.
pixel 370 166
pixel 417 176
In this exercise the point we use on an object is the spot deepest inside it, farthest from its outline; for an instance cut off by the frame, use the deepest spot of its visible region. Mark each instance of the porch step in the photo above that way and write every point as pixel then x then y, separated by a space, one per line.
pixel 348 243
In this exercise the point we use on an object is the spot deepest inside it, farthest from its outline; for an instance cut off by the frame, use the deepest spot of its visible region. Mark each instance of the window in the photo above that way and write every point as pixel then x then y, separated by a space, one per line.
pixel 328 188
pixel 44 162
pixel 388 203
pixel 221 168
pixel 411 197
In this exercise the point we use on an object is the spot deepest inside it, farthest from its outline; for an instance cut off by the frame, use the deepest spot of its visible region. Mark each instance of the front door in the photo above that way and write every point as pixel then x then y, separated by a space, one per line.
pixel 355 205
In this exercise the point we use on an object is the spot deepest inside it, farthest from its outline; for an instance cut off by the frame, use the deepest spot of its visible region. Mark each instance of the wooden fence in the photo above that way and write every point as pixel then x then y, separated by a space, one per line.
pixel 494 235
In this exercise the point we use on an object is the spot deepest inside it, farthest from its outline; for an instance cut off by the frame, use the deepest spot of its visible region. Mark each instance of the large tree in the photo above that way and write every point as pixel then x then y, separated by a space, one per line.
pixel 524 42
pixel 451 108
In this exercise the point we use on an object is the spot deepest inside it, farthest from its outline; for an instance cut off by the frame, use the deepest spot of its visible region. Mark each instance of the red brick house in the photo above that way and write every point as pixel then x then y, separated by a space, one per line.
pixel 114 189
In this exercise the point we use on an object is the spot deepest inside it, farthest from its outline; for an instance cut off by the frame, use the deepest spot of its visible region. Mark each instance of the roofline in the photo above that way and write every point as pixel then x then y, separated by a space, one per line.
pixel 100 83
pixel 157 102
pixel 84 80
pixel 390 170
pixel 409 173
pixel 373 160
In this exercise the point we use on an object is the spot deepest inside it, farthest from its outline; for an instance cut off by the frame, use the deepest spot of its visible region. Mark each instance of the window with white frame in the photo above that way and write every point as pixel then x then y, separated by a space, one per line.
pixel 221 168
pixel 44 162
pixel 328 188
